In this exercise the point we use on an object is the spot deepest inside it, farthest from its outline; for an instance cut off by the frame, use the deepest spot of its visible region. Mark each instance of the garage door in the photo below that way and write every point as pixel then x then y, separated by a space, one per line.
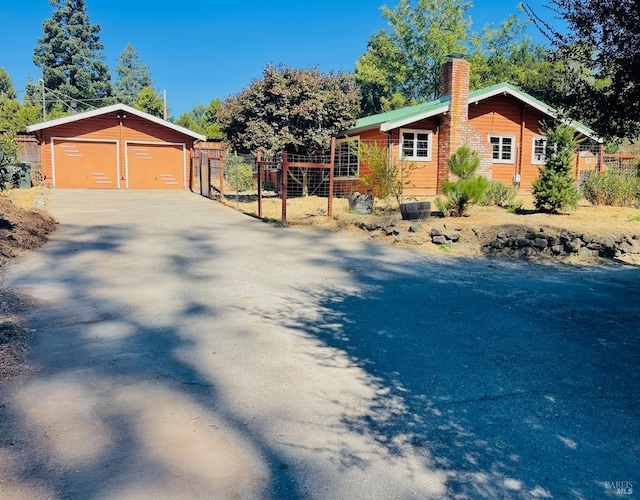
pixel 155 166
pixel 80 164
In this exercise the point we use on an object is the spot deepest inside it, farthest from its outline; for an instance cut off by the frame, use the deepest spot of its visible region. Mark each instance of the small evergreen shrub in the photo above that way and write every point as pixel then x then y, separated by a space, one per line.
pixel 468 190
pixel 556 190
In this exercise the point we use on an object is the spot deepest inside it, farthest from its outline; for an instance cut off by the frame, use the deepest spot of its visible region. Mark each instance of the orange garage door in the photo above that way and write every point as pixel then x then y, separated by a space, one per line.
pixel 80 164
pixel 155 166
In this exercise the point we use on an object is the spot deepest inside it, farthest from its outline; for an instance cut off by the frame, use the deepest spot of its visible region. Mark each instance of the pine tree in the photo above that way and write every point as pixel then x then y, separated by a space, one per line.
pixel 555 190
pixel 133 76
pixel 70 55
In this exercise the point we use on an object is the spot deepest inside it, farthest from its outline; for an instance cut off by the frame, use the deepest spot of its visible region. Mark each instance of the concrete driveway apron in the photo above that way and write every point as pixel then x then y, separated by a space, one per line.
pixel 187 351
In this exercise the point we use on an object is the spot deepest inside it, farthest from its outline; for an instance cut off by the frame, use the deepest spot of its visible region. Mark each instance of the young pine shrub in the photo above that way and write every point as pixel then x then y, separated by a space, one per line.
pixel 468 189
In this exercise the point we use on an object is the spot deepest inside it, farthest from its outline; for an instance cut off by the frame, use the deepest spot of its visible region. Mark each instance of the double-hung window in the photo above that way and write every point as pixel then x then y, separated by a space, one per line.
pixel 346 161
pixel 539 150
pixel 503 148
pixel 415 145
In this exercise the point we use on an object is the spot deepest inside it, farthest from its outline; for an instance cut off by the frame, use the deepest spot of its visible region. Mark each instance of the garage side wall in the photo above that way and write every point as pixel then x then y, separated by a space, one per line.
pixel 111 129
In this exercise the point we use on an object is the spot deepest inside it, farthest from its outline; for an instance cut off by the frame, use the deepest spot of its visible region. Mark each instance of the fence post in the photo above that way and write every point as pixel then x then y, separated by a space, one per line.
pixel 258 161
pixel 333 149
pixel 285 179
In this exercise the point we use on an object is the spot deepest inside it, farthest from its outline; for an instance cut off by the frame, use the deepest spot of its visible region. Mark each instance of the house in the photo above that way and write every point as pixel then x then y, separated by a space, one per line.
pixel 500 122
pixel 115 147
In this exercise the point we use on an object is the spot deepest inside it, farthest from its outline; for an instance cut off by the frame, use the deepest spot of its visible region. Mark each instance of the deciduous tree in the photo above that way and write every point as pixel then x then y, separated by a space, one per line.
pixel 601 56
pixel 204 120
pixel 297 110
pixel 150 102
pixel 402 64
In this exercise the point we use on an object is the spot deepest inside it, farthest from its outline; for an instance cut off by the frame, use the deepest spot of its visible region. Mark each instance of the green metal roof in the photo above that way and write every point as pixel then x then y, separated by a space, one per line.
pixel 403 116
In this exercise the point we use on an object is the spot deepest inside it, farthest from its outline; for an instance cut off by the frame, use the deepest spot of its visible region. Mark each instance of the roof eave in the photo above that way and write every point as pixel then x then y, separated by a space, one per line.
pixel 543 108
pixel 110 109
pixel 412 119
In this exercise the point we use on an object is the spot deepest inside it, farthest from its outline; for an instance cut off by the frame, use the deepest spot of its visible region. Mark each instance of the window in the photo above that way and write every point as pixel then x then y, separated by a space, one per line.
pixel 503 147
pixel 346 162
pixel 539 148
pixel 415 145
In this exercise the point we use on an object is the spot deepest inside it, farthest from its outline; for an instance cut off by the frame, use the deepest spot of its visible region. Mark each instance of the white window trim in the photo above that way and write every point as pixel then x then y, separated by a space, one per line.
pixel 342 141
pixel 415 132
pixel 534 160
pixel 513 148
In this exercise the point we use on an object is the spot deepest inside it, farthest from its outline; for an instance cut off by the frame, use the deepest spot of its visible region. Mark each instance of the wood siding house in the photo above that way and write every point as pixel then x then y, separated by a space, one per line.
pixel 500 122
pixel 115 147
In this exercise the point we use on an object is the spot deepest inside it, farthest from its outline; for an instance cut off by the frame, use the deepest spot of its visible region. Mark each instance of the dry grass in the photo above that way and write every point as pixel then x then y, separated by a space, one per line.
pixel 587 218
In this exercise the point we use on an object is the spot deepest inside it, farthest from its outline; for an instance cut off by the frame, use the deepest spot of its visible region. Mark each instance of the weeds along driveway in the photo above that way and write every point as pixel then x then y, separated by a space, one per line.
pixel 187 351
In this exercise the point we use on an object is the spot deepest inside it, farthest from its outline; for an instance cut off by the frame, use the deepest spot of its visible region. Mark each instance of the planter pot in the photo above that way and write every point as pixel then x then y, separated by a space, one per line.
pixel 418 210
pixel 361 203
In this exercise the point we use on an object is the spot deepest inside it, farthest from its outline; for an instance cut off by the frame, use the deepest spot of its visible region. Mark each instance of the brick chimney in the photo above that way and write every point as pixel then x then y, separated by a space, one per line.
pixel 453 126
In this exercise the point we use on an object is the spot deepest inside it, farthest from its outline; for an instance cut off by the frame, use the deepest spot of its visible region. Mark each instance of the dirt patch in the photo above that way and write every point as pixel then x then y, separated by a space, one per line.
pixel 22 228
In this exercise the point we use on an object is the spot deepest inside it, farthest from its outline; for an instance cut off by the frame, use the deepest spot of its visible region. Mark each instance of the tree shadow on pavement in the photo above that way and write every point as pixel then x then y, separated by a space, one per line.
pixel 518 380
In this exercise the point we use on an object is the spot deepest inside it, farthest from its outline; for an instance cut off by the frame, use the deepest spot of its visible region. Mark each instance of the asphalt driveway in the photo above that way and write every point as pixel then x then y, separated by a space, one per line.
pixel 187 351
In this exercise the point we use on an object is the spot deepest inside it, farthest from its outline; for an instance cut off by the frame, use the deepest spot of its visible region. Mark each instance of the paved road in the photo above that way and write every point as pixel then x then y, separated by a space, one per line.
pixel 187 351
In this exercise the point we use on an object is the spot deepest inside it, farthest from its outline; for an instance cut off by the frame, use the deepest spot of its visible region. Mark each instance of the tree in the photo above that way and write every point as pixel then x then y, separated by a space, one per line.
pixel 69 53
pixel 556 189
pixel 204 120
pixel 6 85
pixel 297 110
pixel 601 56
pixel 468 189
pixel 133 76
pixel 150 102
pixel 402 65
pixel 14 118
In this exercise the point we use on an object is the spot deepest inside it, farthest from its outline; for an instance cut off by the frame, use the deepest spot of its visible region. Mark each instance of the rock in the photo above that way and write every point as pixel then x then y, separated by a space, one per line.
pixel 436 231
pixel 572 246
pixel 540 243
pixel 390 231
pixel 439 240
pixel 415 227
pixel 453 236
pixel 376 233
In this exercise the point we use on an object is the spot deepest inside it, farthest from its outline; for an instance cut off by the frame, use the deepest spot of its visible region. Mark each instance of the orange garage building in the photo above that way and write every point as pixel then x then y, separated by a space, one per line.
pixel 115 147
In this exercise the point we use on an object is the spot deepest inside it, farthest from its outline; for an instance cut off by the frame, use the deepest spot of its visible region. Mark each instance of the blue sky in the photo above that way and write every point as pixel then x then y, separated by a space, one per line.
pixel 201 49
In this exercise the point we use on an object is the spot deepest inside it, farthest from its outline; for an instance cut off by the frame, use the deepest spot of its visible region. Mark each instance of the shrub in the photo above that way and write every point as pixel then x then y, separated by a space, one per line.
pixel 615 188
pixel 555 189
pixel 500 194
pixel 238 175
pixel 388 178
pixel 468 190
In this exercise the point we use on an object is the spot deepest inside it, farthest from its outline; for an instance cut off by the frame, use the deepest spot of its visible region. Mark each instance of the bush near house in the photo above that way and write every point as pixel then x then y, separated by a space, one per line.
pixel 468 190
pixel 500 194
pixel 612 187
